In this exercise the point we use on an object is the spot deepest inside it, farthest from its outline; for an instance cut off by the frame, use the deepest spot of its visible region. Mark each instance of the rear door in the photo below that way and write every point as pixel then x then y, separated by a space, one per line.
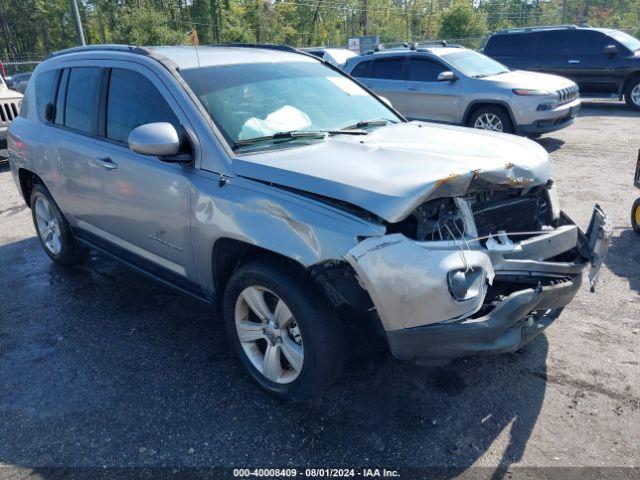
pixel 426 97
pixel 549 52
pixel 385 76
pixel 589 66
pixel 70 143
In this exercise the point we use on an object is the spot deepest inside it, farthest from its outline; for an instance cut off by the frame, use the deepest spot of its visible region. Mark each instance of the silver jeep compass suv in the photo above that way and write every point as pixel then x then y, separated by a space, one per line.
pixel 271 184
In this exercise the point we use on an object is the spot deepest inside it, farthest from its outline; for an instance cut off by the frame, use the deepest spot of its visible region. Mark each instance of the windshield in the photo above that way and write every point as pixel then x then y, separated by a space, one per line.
pixel 625 39
pixel 253 100
pixel 474 64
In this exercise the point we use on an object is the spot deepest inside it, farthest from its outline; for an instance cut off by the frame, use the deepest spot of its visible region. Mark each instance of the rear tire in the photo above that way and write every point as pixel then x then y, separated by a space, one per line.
pixel 491 117
pixel 53 231
pixel 296 354
pixel 632 94
pixel 635 216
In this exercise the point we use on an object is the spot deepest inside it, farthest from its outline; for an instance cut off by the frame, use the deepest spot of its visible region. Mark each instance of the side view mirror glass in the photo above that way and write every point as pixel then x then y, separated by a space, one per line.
pixel 447 77
pixel 155 139
pixel 386 100
pixel 611 51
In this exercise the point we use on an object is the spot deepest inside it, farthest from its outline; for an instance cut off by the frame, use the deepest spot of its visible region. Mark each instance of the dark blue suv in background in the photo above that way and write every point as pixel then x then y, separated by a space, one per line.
pixel 602 61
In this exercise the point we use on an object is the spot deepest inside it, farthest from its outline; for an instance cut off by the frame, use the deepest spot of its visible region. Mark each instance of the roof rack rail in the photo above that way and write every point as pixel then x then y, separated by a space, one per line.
pixel 539 27
pixel 102 48
pixel 266 46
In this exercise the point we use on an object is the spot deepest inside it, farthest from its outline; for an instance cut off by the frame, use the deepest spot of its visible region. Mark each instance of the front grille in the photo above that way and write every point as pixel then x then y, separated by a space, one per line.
pixel 568 94
pixel 8 111
pixel 516 215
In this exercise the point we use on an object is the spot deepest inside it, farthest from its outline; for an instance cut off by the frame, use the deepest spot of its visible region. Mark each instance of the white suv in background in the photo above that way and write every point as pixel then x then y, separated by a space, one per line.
pixel 451 84
pixel 9 107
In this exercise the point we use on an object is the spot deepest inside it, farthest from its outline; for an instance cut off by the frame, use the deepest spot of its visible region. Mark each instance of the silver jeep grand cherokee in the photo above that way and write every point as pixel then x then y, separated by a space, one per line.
pixel 451 84
pixel 266 182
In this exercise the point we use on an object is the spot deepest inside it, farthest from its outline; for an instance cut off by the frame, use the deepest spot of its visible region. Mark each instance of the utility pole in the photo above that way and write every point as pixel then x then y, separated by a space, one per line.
pixel 76 16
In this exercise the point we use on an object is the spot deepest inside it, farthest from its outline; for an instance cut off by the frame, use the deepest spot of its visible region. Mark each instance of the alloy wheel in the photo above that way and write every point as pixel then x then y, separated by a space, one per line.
pixel 635 95
pixel 489 121
pixel 48 226
pixel 269 334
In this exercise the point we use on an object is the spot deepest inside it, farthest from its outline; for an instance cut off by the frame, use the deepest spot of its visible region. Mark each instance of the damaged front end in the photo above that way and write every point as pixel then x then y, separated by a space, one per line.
pixel 482 273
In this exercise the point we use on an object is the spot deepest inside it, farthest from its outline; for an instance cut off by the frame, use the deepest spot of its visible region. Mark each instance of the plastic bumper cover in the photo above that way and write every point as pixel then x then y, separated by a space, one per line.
pixel 408 284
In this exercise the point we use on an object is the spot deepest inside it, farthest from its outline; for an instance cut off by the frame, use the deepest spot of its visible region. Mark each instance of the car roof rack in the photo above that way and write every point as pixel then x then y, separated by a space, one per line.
pixel 266 46
pixel 416 46
pixel 541 27
pixel 102 48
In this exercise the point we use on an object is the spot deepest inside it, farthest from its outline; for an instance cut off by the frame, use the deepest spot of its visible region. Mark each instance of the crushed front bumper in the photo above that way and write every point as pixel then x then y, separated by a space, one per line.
pixel 409 285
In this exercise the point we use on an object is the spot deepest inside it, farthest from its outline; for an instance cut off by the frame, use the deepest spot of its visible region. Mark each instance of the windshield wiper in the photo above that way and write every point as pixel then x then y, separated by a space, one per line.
pixel 377 122
pixel 294 135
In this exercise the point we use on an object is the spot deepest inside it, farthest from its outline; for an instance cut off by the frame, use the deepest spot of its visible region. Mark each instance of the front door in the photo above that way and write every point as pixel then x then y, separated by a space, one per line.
pixel 144 208
pixel 589 66
pixel 427 98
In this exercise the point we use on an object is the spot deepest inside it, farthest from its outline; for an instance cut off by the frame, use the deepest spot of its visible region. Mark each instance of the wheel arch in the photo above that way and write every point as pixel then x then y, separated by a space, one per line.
pixel 229 254
pixel 629 78
pixel 27 180
pixel 476 104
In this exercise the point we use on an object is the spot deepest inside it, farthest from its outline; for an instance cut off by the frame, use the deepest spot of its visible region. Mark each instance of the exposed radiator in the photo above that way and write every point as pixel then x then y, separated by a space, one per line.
pixel 516 215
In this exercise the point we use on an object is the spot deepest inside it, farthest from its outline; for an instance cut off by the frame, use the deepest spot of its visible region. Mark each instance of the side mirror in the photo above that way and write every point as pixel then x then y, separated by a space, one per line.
pixel 447 77
pixel 386 100
pixel 611 51
pixel 159 140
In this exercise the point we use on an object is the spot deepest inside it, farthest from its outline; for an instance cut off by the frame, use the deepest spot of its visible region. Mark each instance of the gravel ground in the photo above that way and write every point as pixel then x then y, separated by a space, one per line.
pixel 101 367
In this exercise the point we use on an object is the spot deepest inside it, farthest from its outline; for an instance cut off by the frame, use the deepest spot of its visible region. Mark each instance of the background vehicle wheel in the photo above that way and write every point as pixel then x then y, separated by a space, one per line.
pixel 491 117
pixel 635 215
pixel 632 94
pixel 283 329
pixel 53 230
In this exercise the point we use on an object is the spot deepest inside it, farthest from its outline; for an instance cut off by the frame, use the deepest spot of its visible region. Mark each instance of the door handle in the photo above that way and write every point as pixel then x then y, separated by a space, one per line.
pixel 574 61
pixel 105 163
pixel 413 89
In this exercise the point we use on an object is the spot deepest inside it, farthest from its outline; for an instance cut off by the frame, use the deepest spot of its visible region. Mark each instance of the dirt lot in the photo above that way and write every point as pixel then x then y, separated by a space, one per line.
pixel 101 367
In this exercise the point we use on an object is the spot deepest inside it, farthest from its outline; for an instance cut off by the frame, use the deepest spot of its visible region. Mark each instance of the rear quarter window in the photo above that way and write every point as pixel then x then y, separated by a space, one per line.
pixel 362 69
pixel 46 87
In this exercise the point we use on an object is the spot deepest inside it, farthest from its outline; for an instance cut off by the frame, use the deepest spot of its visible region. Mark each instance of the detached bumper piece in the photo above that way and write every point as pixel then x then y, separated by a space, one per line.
pixel 513 291
pixel 514 322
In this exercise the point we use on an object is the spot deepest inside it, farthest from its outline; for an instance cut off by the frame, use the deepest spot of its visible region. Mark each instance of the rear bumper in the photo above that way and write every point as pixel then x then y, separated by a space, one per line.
pixel 519 288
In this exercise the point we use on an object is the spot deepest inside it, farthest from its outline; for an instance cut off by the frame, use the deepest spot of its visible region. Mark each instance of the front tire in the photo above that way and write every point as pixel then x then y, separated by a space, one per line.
pixel 491 117
pixel 284 331
pixel 635 216
pixel 53 231
pixel 632 94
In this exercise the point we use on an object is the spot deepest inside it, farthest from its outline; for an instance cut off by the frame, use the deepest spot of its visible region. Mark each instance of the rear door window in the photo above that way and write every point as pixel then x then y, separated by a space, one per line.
pixel 83 97
pixel 388 69
pixel 132 101
pixel 424 70
pixel 551 43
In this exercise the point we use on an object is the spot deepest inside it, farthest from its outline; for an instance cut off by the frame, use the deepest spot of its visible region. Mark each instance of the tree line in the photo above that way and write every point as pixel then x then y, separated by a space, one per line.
pixel 43 26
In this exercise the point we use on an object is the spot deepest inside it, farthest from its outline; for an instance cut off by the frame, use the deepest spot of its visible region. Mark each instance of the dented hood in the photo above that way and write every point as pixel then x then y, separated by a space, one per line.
pixel 393 169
